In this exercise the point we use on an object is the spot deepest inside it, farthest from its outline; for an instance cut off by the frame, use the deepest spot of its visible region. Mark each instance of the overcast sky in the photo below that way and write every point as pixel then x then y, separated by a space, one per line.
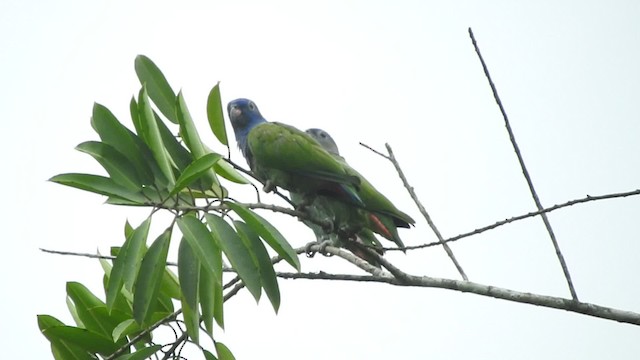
pixel 402 72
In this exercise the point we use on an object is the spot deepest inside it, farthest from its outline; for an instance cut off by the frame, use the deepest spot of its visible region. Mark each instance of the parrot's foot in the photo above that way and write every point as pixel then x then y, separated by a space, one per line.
pixel 322 246
pixel 268 186
pixel 306 201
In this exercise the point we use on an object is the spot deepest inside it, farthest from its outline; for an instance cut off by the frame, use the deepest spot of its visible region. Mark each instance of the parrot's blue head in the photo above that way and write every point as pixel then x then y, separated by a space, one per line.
pixel 244 116
pixel 325 140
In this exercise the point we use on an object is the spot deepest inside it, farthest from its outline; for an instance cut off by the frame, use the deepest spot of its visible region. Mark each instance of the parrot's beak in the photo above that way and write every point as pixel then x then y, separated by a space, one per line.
pixel 235 112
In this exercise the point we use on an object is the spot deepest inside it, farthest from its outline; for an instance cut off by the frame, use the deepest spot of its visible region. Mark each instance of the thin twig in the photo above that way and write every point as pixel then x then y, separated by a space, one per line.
pixel 553 302
pixel 547 224
pixel 424 212
pixel 586 199
pixel 275 191
pixel 176 343
pixel 144 333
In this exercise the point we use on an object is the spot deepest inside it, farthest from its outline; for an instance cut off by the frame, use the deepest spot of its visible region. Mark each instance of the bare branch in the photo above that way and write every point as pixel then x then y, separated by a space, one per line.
pixel 547 224
pixel 588 198
pixel 553 302
pixel 422 209
pixel 424 212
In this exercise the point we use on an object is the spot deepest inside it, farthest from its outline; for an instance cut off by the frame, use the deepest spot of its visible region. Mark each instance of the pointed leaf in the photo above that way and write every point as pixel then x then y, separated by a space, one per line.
pixel 215 115
pixel 85 303
pixel 263 261
pixel 125 328
pixel 74 313
pixel 142 354
pixel 61 349
pixel 181 157
pixel 210 288
pixel 170 285
pixel 157 85
pixel 208 355
pixel 113 133
pixel 189 134
pixel 99 185
pixel 192 320
pixel 267 232
pixel 188 130
pixel 202 243
pixel 149 277
pixel 151 135
pixel 195 170
pixel 223 352
pixel 188 273
pixel 83 338
pixel 224 169
pixel 239 255
pixel 120 169
pixel 127 264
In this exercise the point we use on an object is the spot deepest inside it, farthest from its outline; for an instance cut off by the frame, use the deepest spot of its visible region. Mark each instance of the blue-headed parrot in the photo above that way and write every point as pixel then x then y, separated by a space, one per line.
pixel 283 156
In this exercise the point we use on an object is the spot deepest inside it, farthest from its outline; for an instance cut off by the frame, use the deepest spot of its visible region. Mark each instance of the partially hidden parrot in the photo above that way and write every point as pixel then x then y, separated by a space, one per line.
pixel 283 156
pixel 341 214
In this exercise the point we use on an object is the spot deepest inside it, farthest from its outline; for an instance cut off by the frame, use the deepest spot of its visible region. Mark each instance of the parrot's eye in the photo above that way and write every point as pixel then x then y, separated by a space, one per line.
pixel 252 106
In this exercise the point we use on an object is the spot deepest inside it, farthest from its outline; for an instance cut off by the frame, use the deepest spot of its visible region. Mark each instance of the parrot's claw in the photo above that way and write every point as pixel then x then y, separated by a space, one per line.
pixel 307 249
pixel 322 246
pixel 268 186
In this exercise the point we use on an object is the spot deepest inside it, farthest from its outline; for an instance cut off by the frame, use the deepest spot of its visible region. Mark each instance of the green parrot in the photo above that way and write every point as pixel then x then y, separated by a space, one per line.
pixel 351 221
pixel 283 156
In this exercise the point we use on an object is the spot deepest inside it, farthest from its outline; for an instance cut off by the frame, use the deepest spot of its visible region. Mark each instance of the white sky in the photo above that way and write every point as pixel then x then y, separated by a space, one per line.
pixel 400 72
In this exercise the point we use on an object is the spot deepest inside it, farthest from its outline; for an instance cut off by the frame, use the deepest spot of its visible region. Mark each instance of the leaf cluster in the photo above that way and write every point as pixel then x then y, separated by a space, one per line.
pixel 164 165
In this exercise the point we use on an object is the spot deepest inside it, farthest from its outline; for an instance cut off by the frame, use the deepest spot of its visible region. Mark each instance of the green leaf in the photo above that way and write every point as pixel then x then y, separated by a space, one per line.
pixel 113 133
pixel 151 135
pixel 267 232
pixel 159 89
pixel 85 302
pixel 149 277
pixel 125 328
pixel 74 313
pixel 239 255
pixel 189 275
pixel 202 243
pixel 62 350
pixel 105 264
pixel 170 285
pixel 188 130
pixel 192 321
pixel 223 352
pixel 135 116
pixel 261 257
pixel 189 134
pixel 195 170
pixel 141 354
pixel 127 264
pixel 210 289
pixel 224 169
pixel 99 185
pixel 120 169
pixel 84 339
pixel 181 157
pixel 208 355
pixel 215 115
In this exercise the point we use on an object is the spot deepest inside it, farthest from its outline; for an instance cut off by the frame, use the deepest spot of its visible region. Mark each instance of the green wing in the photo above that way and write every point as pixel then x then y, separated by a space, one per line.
pixel 293 160
pixel 374 200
